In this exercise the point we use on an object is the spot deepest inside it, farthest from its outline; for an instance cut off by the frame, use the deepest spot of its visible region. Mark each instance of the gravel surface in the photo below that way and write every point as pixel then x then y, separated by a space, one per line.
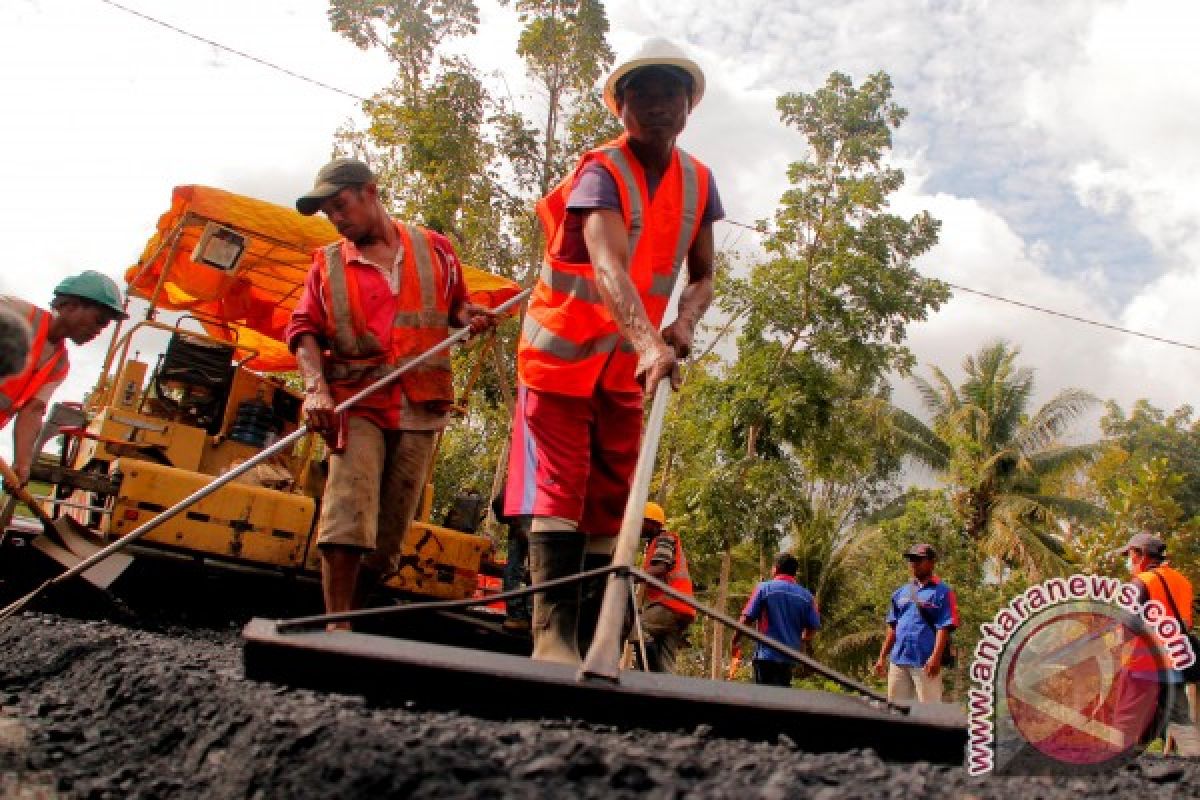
pixel 96 710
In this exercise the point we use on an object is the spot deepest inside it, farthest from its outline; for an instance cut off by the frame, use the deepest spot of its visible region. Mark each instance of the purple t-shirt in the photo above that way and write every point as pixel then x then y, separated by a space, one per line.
pixel 595 188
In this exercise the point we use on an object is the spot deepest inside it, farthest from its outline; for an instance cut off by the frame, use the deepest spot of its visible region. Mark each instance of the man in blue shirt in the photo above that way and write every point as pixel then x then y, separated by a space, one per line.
pixel 785 611
pixel 921 616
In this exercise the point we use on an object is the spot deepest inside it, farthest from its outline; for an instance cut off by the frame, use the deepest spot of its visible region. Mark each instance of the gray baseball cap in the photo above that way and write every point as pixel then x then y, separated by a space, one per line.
pixel 1147 543
pixel 333 177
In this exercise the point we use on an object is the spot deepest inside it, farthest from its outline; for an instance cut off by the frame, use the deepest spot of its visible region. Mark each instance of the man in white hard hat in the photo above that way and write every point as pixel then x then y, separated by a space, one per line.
pixel 82 308
pixel 618 230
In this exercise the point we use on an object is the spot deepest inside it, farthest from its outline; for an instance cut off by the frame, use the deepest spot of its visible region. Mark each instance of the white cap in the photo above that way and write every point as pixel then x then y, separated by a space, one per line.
pixel 655 52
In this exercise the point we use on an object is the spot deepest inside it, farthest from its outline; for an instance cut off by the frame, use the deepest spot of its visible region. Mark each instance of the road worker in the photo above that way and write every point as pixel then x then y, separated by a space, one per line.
pixel 665 619
pixel 1144 682
pixel 383 293
pixel 82 308
pixel 618 229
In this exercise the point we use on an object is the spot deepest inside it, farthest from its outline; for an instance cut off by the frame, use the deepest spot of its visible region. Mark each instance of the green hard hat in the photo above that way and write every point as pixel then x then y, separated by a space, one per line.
pixel 97 287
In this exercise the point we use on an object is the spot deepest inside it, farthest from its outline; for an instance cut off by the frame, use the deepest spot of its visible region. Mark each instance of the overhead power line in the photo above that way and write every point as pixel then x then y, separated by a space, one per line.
pixel 233 50
pixel 1033 307
pixel 995 297
pixel 1072 317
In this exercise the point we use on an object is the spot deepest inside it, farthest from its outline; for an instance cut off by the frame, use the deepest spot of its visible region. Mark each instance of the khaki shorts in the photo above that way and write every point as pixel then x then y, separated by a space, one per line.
pixel 906 684
pixel 374 489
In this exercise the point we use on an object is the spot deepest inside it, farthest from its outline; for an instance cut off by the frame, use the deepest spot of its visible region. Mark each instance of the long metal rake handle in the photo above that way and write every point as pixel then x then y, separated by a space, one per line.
pixel 246 466
pixel 604 656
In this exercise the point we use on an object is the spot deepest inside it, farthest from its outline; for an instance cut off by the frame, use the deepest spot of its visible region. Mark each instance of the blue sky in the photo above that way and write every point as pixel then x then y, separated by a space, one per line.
pixel 1056 142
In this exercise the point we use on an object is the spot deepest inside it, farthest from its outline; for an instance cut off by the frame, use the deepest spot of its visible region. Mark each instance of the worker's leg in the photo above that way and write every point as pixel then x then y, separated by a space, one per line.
pixel 406 466
pixel 547 476
pixel 1135 711
pixel 349 513
pixel 666 629
pixel 929 690
pixel 339 577
pixel 616 434
pixel 597 553
pixel 772 673
pixel 555 553
pixel 516 573
pixel 900 687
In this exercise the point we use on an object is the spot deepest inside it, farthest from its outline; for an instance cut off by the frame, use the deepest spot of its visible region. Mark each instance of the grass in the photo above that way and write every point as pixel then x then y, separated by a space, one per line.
pixel 34 487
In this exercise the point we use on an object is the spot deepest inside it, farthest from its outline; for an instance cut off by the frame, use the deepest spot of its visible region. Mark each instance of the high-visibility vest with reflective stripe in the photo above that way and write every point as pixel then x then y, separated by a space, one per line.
pixel 569 341
pixel 678 579
pixel 45 363
pixel 420 321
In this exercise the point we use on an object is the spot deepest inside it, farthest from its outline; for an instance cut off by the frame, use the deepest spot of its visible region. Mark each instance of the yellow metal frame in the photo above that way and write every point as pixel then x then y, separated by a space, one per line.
pixel 247 523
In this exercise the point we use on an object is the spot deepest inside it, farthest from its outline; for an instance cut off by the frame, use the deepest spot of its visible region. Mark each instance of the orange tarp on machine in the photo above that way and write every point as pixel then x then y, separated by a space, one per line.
pixel 251 304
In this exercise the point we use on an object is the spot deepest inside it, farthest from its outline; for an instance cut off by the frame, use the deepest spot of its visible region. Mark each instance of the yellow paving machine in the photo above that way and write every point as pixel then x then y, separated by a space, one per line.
pixel 219 279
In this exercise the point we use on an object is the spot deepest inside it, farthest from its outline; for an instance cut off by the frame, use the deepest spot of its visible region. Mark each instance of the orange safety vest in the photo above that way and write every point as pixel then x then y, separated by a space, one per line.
pixel 44 364
pixel 1141 659
pixel 420 322
pixel 678 579
pixel 569 341
pixel 1179 586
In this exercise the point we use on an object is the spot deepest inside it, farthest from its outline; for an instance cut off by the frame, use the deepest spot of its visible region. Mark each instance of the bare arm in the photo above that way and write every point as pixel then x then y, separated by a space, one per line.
pixel 888 641
pixel 697 295
pixel 318 400
pixel 934 665
pixel 608 247
pixel 26 428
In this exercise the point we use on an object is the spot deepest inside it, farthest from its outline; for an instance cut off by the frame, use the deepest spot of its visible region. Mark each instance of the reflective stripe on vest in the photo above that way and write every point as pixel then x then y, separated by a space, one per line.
pixel 350 338
pixel 419 322
pixel 583 287
pixel 678 579
pixel 567 319
pixel 42 365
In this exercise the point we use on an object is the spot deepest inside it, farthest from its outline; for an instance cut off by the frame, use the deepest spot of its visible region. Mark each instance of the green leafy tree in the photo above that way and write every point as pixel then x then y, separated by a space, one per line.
pixel 999 458
pixel 566 52
pixel 1146 477
pixel 426 136
pixel 822 323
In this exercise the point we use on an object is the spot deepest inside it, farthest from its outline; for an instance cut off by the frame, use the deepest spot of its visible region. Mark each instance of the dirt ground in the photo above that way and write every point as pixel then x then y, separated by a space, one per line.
pixel 95 709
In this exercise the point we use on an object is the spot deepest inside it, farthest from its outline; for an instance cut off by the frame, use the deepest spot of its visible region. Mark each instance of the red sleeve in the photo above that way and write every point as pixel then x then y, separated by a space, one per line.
pixel 309 316
pixel 456 284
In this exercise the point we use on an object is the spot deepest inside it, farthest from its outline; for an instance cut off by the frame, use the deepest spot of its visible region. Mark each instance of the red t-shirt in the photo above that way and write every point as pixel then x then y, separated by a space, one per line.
pixel 312 316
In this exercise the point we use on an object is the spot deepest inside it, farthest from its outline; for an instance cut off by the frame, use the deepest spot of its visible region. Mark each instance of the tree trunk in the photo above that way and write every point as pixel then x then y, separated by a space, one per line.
pixel 718 640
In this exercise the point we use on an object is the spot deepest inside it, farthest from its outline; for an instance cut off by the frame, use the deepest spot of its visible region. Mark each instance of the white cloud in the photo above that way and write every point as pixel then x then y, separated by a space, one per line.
pixel 1038 130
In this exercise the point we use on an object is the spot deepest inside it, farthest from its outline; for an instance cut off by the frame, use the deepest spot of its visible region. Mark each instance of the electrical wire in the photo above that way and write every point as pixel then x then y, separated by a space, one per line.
pixel 1072 317
pixel 755 228
pixel 1034 307
pixel 234 51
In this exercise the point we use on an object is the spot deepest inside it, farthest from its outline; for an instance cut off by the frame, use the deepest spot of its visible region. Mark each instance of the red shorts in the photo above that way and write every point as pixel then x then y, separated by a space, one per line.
pixel 573 457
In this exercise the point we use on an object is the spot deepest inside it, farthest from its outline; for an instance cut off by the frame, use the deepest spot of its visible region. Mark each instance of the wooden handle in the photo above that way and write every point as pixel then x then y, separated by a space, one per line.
pixel 12 485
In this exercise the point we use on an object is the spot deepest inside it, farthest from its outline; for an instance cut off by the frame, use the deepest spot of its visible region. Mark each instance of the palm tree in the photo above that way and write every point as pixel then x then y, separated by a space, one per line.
pixel 997 458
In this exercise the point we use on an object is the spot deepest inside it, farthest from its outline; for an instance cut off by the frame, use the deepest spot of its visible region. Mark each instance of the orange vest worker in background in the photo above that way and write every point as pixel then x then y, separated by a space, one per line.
pixel 665 620
pixel 618 231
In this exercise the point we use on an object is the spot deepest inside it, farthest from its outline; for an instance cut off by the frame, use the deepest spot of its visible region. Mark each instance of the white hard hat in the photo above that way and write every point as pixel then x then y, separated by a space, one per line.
pixel 656 52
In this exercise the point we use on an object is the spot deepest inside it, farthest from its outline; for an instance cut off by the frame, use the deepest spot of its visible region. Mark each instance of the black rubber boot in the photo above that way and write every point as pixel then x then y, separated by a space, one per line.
pixel 555 554
pixel 592 599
